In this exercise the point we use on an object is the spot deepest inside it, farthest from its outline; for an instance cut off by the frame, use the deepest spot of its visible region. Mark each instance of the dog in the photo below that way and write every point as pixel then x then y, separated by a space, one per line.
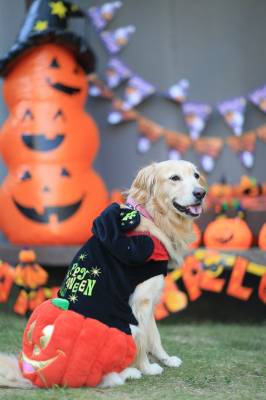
pixel 169 195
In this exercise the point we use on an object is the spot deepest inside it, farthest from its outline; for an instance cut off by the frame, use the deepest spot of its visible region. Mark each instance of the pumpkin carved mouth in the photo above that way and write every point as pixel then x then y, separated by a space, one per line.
pixel 40 142
pixel 30 366
pixel 60 213
pixel 70 90
pixel 224 239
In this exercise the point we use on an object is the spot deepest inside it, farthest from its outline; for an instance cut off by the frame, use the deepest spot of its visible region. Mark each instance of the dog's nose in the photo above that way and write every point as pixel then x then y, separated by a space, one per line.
pixel 199 193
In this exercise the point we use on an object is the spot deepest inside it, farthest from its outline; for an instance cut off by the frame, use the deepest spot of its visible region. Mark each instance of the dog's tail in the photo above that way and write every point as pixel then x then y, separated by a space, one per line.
pixel 10 374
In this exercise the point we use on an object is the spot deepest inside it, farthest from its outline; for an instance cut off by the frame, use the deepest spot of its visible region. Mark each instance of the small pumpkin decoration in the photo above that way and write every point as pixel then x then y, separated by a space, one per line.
pixel 46 72
pixel 197 234
pixel 249 186
pixel 53 203
pixel 61 347
pixel 262 237
pixel 6 280
pixel 48 132
pixel 227 233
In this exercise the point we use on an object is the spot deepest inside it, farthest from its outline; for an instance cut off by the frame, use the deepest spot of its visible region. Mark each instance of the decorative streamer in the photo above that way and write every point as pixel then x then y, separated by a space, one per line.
pixel 209 149
pixel 101 16
pixel 178 92
pixel 178 143
pixel 149 132
pixel 244 147
pixel 116 40
pixel 233 113
pixel 116 72
pixel 258 97
pixel 196 115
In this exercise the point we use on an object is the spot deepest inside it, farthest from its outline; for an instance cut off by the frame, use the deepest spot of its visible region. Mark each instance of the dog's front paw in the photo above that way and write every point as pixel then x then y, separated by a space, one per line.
pixel 131 373
pixel 152 369
pixel 172 361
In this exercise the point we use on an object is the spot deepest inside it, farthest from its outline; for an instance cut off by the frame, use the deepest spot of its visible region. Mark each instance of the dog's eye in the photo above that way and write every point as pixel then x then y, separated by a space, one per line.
pixel 175 178
pixel 196 175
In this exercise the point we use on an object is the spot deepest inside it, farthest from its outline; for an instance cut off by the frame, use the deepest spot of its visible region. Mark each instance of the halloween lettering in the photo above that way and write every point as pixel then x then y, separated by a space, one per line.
pixel 78 280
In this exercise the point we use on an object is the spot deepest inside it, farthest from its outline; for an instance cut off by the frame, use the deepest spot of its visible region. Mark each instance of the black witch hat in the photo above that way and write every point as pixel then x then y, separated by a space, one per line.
pixel 46 22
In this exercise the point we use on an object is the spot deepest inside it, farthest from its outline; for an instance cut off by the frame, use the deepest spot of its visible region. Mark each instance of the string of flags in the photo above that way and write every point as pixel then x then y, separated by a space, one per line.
pixel 196 115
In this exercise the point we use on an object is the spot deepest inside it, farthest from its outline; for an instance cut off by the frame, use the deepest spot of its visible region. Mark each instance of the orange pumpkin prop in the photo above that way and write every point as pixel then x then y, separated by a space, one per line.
pixel 51 204
pixel 48 132
pixel 197 234
pixel 262 237
pixel 29 276
pixel 61 347
pixel 228 233
pixel 47 72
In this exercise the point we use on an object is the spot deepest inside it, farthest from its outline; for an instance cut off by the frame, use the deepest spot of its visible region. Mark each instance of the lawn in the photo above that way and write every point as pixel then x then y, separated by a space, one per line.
pixel 220 362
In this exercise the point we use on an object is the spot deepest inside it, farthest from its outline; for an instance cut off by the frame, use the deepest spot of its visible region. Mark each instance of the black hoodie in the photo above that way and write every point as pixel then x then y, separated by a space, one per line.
pixel 106 270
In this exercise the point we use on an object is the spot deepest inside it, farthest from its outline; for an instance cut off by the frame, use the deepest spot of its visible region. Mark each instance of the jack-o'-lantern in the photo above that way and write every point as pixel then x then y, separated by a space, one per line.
pixel 48 132
pixel 197 233
pixel 220 190
pixel 227 233
pixel 46 72
pixel 262 237
pixel 249 187
pixel 50 204
pixel 62 347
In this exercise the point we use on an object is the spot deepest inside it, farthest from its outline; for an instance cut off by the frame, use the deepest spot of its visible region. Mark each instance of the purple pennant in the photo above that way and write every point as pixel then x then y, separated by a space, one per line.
pixel 196 116
pixel 114 41
pixel 178 92
pixel 258 97
pixel 116 72
pixel 136 91
pixel 102 15
pixel 233 113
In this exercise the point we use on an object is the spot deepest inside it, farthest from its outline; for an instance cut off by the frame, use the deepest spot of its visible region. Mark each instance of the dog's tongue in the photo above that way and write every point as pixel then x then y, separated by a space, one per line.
pixel 195 209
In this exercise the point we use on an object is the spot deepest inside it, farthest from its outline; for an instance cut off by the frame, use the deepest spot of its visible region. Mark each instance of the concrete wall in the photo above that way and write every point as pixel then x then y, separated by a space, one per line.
pixel 218 45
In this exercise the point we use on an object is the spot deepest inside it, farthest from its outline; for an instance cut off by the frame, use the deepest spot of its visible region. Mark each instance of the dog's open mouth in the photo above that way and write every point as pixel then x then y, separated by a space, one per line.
pixel 194 210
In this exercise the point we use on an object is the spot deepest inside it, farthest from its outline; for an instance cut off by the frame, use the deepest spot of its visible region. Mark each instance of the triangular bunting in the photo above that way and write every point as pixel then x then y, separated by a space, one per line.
pixel 149 132
pixel 101 16
pixel 209 149
pixel 196 116
pixel 244 146
pixel 258 97
pixel 136 91
pixel 116 40
pixel 233 112
pixel 178 92
pixel 119 114
pixel 116 73
pixel 177 144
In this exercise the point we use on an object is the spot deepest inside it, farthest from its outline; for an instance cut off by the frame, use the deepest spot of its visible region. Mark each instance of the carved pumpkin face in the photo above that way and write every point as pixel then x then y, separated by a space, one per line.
pixel 47 132
pixel 228 233
pixel 47 72
pixel 61 347
pixel 262 237
pixel 53 203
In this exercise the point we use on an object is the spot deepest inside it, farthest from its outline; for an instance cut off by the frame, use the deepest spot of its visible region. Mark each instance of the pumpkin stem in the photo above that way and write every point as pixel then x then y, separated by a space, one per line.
pixel 60 303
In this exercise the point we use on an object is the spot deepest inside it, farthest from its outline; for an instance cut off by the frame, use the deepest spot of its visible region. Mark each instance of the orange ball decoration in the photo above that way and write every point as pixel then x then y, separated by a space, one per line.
pixel 228 233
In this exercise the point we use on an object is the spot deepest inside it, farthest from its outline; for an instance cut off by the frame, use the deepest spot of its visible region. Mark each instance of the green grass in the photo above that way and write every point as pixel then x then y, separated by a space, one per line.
pixel 220 362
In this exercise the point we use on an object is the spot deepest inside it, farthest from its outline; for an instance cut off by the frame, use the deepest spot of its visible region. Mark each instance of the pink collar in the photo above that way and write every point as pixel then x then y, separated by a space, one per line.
pixel 131 202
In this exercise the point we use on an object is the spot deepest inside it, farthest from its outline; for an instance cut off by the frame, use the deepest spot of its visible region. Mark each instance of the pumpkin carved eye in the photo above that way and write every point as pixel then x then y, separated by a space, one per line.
pixel 54 63
pixel 65 172
pixel 59 114
pixel 29 334
pixel 47 334
pixel 27 115
pixel 26 176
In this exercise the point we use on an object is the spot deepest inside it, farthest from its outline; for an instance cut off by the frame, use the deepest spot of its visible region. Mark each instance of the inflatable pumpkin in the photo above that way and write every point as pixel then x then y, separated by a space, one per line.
pixel 197 234
pixel 228 233
pixel 48 132
pixel 51 204
pixel 44 73
pixel 262 237
pixel 62 347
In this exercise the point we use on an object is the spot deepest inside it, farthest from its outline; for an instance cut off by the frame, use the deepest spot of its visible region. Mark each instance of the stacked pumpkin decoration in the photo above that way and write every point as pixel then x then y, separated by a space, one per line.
pixel 51 194
pixel 228 233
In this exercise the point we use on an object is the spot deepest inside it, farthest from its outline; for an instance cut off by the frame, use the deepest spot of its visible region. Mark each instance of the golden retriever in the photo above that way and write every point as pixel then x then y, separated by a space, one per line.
pixel 172 192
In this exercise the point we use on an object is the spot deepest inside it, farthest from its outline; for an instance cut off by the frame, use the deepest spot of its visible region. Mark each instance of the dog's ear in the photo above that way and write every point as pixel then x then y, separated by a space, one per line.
pixel 143 185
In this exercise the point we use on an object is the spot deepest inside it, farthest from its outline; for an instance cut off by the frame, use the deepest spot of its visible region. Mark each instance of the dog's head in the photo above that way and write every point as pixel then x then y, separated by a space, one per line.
pixel 175 186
